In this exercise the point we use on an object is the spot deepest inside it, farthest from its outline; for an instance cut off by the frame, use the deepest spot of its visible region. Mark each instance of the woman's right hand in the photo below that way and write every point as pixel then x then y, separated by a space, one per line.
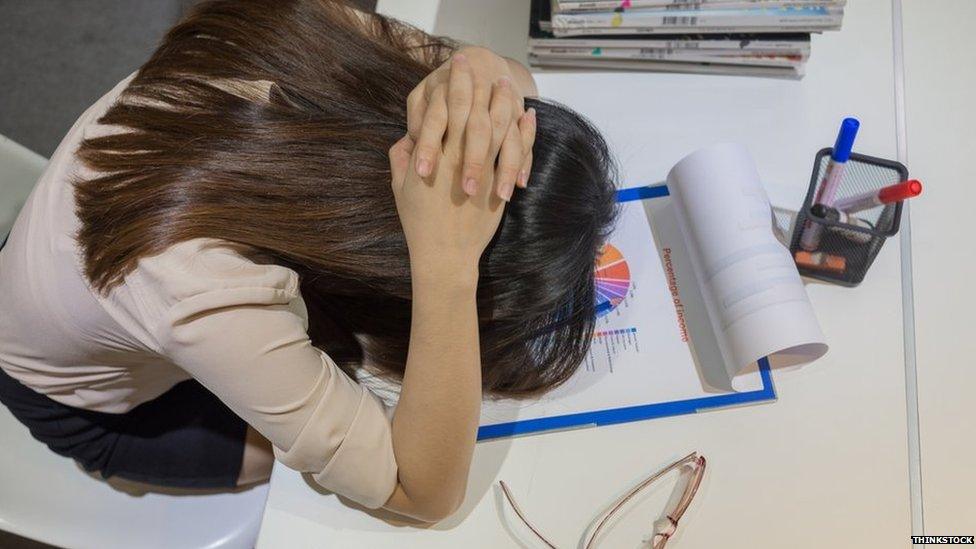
pixel 426 122
pixel 447 230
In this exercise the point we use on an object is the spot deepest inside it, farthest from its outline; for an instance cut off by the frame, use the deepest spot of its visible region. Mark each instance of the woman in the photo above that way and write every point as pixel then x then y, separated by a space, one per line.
pixel 227 240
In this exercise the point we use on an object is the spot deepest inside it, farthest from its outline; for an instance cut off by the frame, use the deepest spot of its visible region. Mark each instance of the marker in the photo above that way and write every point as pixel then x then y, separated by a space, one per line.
pixel 810 238
pixel 820 261
pixel 833 214
pixel 887 195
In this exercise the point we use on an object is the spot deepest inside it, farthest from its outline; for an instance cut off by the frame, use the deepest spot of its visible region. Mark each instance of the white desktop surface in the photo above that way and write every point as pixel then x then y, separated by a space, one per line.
pixel 825 465
pixel 940 76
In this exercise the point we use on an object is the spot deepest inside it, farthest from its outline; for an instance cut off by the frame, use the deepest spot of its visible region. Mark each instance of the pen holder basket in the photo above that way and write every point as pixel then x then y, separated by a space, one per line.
pixel 845 251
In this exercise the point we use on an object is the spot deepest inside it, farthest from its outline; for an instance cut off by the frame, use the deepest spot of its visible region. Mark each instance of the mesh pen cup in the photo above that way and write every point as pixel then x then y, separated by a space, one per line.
pixel 846 243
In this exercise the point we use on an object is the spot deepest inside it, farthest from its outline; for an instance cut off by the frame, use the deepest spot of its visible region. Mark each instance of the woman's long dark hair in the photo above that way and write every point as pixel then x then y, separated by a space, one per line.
pixel 300 175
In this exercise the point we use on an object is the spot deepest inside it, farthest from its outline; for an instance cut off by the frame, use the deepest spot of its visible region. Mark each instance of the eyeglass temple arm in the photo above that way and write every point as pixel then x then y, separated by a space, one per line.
pixel 689 492
pixel 683 503
pixel 634 491
pixel 521 516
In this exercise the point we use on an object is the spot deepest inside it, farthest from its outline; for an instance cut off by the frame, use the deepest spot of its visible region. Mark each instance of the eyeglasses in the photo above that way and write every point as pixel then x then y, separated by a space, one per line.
pixel 664 528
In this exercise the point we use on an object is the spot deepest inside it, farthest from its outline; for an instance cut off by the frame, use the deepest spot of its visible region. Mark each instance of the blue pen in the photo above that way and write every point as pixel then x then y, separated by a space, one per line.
pixel 810 239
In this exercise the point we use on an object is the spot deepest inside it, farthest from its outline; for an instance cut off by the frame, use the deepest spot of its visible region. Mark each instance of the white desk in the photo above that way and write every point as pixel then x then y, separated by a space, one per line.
pixel 940 68
pixel 829 458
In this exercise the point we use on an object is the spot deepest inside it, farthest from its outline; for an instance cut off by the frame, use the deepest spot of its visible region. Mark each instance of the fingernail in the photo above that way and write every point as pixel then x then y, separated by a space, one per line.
pixel 523 178
pixel 470 186
pixel 504 82
pixel 531 113
pixel 459 57
pixel 423 167
pixel 506 191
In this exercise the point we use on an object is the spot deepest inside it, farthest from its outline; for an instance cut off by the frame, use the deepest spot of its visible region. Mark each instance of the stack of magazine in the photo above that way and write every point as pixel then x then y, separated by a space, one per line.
pixel 741 37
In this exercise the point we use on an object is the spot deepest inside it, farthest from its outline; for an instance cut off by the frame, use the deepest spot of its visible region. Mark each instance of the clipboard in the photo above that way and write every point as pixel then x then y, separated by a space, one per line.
pixel 626 414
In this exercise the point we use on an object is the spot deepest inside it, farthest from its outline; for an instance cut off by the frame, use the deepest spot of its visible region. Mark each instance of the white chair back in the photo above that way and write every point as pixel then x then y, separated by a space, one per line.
pixel 46 497
pixel 19 170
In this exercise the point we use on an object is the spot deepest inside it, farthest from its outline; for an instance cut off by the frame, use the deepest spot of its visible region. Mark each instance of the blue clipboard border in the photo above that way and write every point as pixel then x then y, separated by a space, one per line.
pixel 635 413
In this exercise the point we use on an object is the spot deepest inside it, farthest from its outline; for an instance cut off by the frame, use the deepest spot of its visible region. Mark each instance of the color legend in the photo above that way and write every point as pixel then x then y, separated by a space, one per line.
pixel 603 333
pixel 609 345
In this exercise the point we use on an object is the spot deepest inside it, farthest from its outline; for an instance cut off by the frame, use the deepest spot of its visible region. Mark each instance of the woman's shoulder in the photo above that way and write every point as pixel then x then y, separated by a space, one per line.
pixel 198 275
pixel 193 277
pixel 204 265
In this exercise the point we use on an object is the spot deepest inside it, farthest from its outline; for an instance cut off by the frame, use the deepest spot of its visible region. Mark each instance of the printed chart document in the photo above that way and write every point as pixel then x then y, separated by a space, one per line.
pixel 752 292
pixel 695 290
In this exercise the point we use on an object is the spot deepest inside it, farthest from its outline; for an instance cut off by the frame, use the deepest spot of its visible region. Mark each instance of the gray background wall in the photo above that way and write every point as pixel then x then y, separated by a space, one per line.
pixel 58 56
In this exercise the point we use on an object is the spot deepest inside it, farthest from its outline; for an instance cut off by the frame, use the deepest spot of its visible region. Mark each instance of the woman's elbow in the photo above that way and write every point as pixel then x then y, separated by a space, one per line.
pixel 437 512
pixel 430 509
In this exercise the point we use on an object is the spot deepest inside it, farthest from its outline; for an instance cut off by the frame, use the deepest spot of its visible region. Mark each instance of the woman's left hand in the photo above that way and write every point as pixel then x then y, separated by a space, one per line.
pixel 516 132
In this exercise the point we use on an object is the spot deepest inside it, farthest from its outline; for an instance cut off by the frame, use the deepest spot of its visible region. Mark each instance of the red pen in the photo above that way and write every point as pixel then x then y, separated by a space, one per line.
pixel 886 195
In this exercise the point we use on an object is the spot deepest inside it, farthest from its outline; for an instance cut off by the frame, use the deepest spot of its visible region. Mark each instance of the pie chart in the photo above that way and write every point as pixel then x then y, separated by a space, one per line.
pixel 612 278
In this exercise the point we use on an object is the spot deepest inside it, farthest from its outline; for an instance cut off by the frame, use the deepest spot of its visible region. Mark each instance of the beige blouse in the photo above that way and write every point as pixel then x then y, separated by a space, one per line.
pixel 199 310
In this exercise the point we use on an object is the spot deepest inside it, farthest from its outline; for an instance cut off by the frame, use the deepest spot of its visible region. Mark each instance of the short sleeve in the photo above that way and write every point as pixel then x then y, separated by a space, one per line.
pixel 240 329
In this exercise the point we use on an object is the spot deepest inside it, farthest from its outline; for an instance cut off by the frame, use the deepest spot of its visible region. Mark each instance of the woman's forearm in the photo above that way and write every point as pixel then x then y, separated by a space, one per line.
pixel 436 420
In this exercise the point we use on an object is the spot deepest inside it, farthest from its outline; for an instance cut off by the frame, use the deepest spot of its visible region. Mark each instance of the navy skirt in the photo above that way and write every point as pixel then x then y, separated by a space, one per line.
pixel 185 438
